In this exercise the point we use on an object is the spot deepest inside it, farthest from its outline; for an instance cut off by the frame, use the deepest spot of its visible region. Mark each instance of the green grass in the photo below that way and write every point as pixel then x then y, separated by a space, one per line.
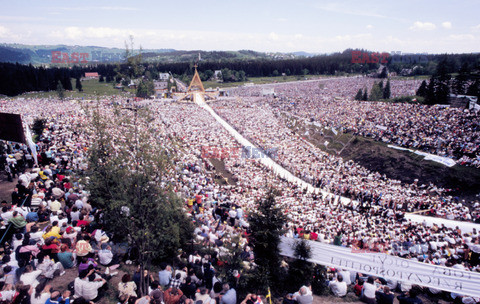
pixel 91 89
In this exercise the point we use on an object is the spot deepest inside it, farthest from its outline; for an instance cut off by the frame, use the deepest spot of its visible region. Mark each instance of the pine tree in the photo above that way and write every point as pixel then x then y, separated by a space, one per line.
pixel 266 225
pixel 376 92
pixel 101 79
pixel 300 271
pixel 359 95
pixel 383 74
pixel 60 90
pixel 386 90
pixel 430 93
pixel 365 95
pixel 127 167
pixel 459 85
pixel 474 89
pixel 422 90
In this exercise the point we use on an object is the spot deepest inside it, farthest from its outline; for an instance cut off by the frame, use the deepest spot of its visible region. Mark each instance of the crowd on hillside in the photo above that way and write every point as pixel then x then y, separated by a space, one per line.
pixel 56 226
pixel 260 123
pixel 444 131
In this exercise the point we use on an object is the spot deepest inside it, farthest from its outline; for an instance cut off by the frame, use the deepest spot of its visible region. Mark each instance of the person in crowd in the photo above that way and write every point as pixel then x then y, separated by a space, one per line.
pixel 338 286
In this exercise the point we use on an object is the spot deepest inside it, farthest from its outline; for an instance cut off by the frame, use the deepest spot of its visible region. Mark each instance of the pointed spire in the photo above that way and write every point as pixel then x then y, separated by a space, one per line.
pixel 196 83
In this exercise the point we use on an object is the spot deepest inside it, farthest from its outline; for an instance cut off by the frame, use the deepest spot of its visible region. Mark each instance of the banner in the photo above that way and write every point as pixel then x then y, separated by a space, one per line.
pixel 390 267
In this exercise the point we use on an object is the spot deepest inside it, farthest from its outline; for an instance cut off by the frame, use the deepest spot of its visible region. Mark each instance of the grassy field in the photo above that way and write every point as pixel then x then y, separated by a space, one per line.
pixel 91 88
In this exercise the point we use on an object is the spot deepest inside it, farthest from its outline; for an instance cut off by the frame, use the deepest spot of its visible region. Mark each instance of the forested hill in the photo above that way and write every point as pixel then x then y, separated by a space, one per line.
pixel 53 54
pixel 16 78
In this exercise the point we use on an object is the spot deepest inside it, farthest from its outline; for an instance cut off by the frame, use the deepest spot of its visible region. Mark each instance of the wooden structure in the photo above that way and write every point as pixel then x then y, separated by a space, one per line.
pixel 194 89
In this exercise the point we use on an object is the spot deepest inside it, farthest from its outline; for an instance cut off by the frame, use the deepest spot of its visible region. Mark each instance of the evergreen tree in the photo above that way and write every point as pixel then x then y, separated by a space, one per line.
pixel 359 95
pixel 386 90
pixel 300 271
pixel 430 94
pixel 376 92
pixel 422 90
pixel 126 171
pixel 101 79
pixel 442 83
pixel 365 95
pixel 474 89
pixel 460 83
pixel 78 84
pixel 38 126
pixel 60 90
pixel 266 225
pixel 383 74
pixel 145 88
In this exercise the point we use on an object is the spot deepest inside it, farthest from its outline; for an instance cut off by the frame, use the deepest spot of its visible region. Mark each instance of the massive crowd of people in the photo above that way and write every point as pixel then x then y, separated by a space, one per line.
pixel 371 218
pixel 445 131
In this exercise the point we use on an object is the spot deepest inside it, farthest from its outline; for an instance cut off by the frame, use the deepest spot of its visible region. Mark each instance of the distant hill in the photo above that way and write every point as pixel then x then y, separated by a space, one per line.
pixel 62 54
pixel 45 54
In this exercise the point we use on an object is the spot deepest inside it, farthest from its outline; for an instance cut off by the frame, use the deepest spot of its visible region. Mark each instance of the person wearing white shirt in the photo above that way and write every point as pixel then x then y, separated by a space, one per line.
pixel 29 277
pixel 41 294
pixel 338 287
pixel 346 276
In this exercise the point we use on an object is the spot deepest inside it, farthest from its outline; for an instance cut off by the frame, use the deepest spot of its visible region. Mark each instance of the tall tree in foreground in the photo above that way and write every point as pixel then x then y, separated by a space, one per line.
pixel 267 226
pixel 128 180
pixel 300 271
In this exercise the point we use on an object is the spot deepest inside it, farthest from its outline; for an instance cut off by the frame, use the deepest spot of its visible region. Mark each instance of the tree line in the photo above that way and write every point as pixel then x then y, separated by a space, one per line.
pixel 16 79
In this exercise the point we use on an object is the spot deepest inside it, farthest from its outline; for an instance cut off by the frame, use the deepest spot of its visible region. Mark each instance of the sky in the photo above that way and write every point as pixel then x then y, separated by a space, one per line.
pixel 407 26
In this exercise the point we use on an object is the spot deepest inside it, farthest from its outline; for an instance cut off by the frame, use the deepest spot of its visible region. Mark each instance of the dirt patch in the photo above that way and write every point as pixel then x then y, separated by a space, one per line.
pixel 407 166
pixel 221 174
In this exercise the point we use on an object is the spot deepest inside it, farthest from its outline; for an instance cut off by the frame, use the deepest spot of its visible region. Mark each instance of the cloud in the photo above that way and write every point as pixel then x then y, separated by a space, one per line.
pixel 273 36
pixel 476 28
pixel 76 33
pixel 447 25
pixel 6 33
pixel 461 37
pixel 423 26
pixel 369 27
